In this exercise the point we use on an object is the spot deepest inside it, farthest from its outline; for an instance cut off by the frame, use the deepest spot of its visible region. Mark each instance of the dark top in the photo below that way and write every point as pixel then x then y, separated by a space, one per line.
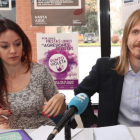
pixel 104 80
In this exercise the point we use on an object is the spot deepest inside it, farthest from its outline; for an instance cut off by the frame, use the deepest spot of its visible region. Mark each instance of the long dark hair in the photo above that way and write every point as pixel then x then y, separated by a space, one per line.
pixel 6 24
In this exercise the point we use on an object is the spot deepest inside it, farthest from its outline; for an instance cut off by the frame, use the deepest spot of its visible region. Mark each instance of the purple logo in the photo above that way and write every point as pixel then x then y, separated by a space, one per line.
pixel 60 62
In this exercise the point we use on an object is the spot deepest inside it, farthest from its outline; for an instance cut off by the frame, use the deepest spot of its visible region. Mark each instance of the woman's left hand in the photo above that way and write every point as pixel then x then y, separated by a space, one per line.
pixel 56 105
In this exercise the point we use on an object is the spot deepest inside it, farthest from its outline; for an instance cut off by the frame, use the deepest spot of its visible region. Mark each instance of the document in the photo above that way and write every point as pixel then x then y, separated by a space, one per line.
pixel 118 132
pixel 43 132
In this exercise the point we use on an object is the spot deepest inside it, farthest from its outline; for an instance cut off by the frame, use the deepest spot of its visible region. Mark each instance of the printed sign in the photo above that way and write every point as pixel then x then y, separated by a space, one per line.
pixel 59 52
pixel 57 4
pixel 58 12
pixel 128 7
pixel 8 9
pixel 5 5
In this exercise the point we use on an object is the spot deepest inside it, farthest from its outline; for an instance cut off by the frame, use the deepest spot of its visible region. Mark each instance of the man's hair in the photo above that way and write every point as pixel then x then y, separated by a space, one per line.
pixel 122 64
pixel 6 24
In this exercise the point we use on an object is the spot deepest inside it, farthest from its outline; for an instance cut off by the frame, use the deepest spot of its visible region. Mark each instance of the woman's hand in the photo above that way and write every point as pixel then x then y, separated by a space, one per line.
pixel 56 105
pixel 5 113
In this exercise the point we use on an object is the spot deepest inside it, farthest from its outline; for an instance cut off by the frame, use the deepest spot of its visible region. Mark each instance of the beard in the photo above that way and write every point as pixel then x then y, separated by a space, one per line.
pixel 137 57
pixel 134 53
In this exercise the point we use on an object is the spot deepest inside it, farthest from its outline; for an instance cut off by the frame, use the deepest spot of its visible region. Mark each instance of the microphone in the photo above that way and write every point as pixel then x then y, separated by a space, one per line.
pixel 76 106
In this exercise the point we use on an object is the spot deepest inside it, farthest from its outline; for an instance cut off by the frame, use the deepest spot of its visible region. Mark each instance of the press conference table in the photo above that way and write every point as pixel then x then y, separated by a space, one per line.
pixel 87 133
pixel 135 132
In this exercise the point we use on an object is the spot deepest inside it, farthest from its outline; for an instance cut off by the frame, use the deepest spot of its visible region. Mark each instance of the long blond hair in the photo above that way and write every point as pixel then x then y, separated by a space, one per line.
pixel 122 63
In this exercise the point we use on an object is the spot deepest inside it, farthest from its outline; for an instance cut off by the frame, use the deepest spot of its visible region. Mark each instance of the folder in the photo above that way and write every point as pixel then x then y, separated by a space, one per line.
pixel 15 135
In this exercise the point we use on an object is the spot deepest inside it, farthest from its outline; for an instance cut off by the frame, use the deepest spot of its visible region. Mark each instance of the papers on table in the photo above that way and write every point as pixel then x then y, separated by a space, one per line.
pixel 118 132
pixel 43 132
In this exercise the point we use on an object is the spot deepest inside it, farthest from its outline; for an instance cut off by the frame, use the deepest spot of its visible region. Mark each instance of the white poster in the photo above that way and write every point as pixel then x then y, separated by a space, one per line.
pixel 52 4
pixel 128 7
pixel 59 52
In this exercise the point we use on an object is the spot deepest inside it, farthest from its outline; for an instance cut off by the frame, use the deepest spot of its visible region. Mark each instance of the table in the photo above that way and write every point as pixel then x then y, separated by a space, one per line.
pixel 86 133
pixel 135 132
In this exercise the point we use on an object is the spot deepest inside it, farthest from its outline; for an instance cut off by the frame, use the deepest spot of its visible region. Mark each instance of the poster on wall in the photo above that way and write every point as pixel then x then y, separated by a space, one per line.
pixel 59 52
pixel 8 9
pixel 128 7
pixel 58 12
pixel 5 5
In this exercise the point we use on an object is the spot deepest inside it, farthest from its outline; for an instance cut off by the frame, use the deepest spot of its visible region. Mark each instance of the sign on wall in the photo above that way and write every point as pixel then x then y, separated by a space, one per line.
pixel 59 52
pixel 8 9
pixel 58 12
pixel 128 7
pixel 5 5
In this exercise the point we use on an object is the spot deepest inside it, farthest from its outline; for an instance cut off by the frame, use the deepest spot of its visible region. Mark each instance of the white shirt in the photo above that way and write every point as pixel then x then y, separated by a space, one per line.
pixel 129 113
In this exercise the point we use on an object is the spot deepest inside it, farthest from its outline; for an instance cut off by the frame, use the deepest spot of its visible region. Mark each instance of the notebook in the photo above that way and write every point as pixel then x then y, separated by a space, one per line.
pixel 15 135
pixel 118 132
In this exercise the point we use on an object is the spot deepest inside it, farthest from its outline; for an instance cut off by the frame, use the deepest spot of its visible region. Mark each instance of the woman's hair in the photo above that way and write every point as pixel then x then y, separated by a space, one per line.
pixel 122 63
pixel 6 24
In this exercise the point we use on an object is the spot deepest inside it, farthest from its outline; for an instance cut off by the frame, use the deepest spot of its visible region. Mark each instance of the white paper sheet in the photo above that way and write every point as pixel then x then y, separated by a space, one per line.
pixel 118 132
pixel 43 132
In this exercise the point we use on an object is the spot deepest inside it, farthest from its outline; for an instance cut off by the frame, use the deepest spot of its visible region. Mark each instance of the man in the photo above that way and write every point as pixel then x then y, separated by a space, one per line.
pixel 117 80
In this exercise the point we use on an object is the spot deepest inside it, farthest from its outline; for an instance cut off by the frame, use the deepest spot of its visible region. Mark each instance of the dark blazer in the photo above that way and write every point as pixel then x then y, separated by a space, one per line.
pixel 104 80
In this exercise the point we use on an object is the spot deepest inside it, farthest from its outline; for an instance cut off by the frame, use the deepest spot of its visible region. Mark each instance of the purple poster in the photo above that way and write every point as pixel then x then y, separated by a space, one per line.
pixel 59 52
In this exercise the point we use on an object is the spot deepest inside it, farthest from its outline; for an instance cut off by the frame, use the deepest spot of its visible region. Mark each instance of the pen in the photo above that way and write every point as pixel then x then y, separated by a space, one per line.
pixel 4 117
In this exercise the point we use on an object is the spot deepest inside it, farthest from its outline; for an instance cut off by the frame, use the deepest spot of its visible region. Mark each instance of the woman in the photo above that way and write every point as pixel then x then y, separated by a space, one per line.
pixel 24 84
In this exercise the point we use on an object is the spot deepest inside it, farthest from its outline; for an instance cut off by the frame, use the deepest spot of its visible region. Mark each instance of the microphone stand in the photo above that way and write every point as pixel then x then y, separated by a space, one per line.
pixel 71 124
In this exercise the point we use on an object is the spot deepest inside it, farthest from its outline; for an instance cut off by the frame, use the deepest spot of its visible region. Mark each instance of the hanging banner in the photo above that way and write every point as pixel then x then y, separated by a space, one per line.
pixel 58 12
pixel 59 52
pixel 128 7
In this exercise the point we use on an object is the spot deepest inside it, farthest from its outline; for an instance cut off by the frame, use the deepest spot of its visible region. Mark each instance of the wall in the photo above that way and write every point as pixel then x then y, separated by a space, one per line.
pixel 23 15
pixel 50 29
